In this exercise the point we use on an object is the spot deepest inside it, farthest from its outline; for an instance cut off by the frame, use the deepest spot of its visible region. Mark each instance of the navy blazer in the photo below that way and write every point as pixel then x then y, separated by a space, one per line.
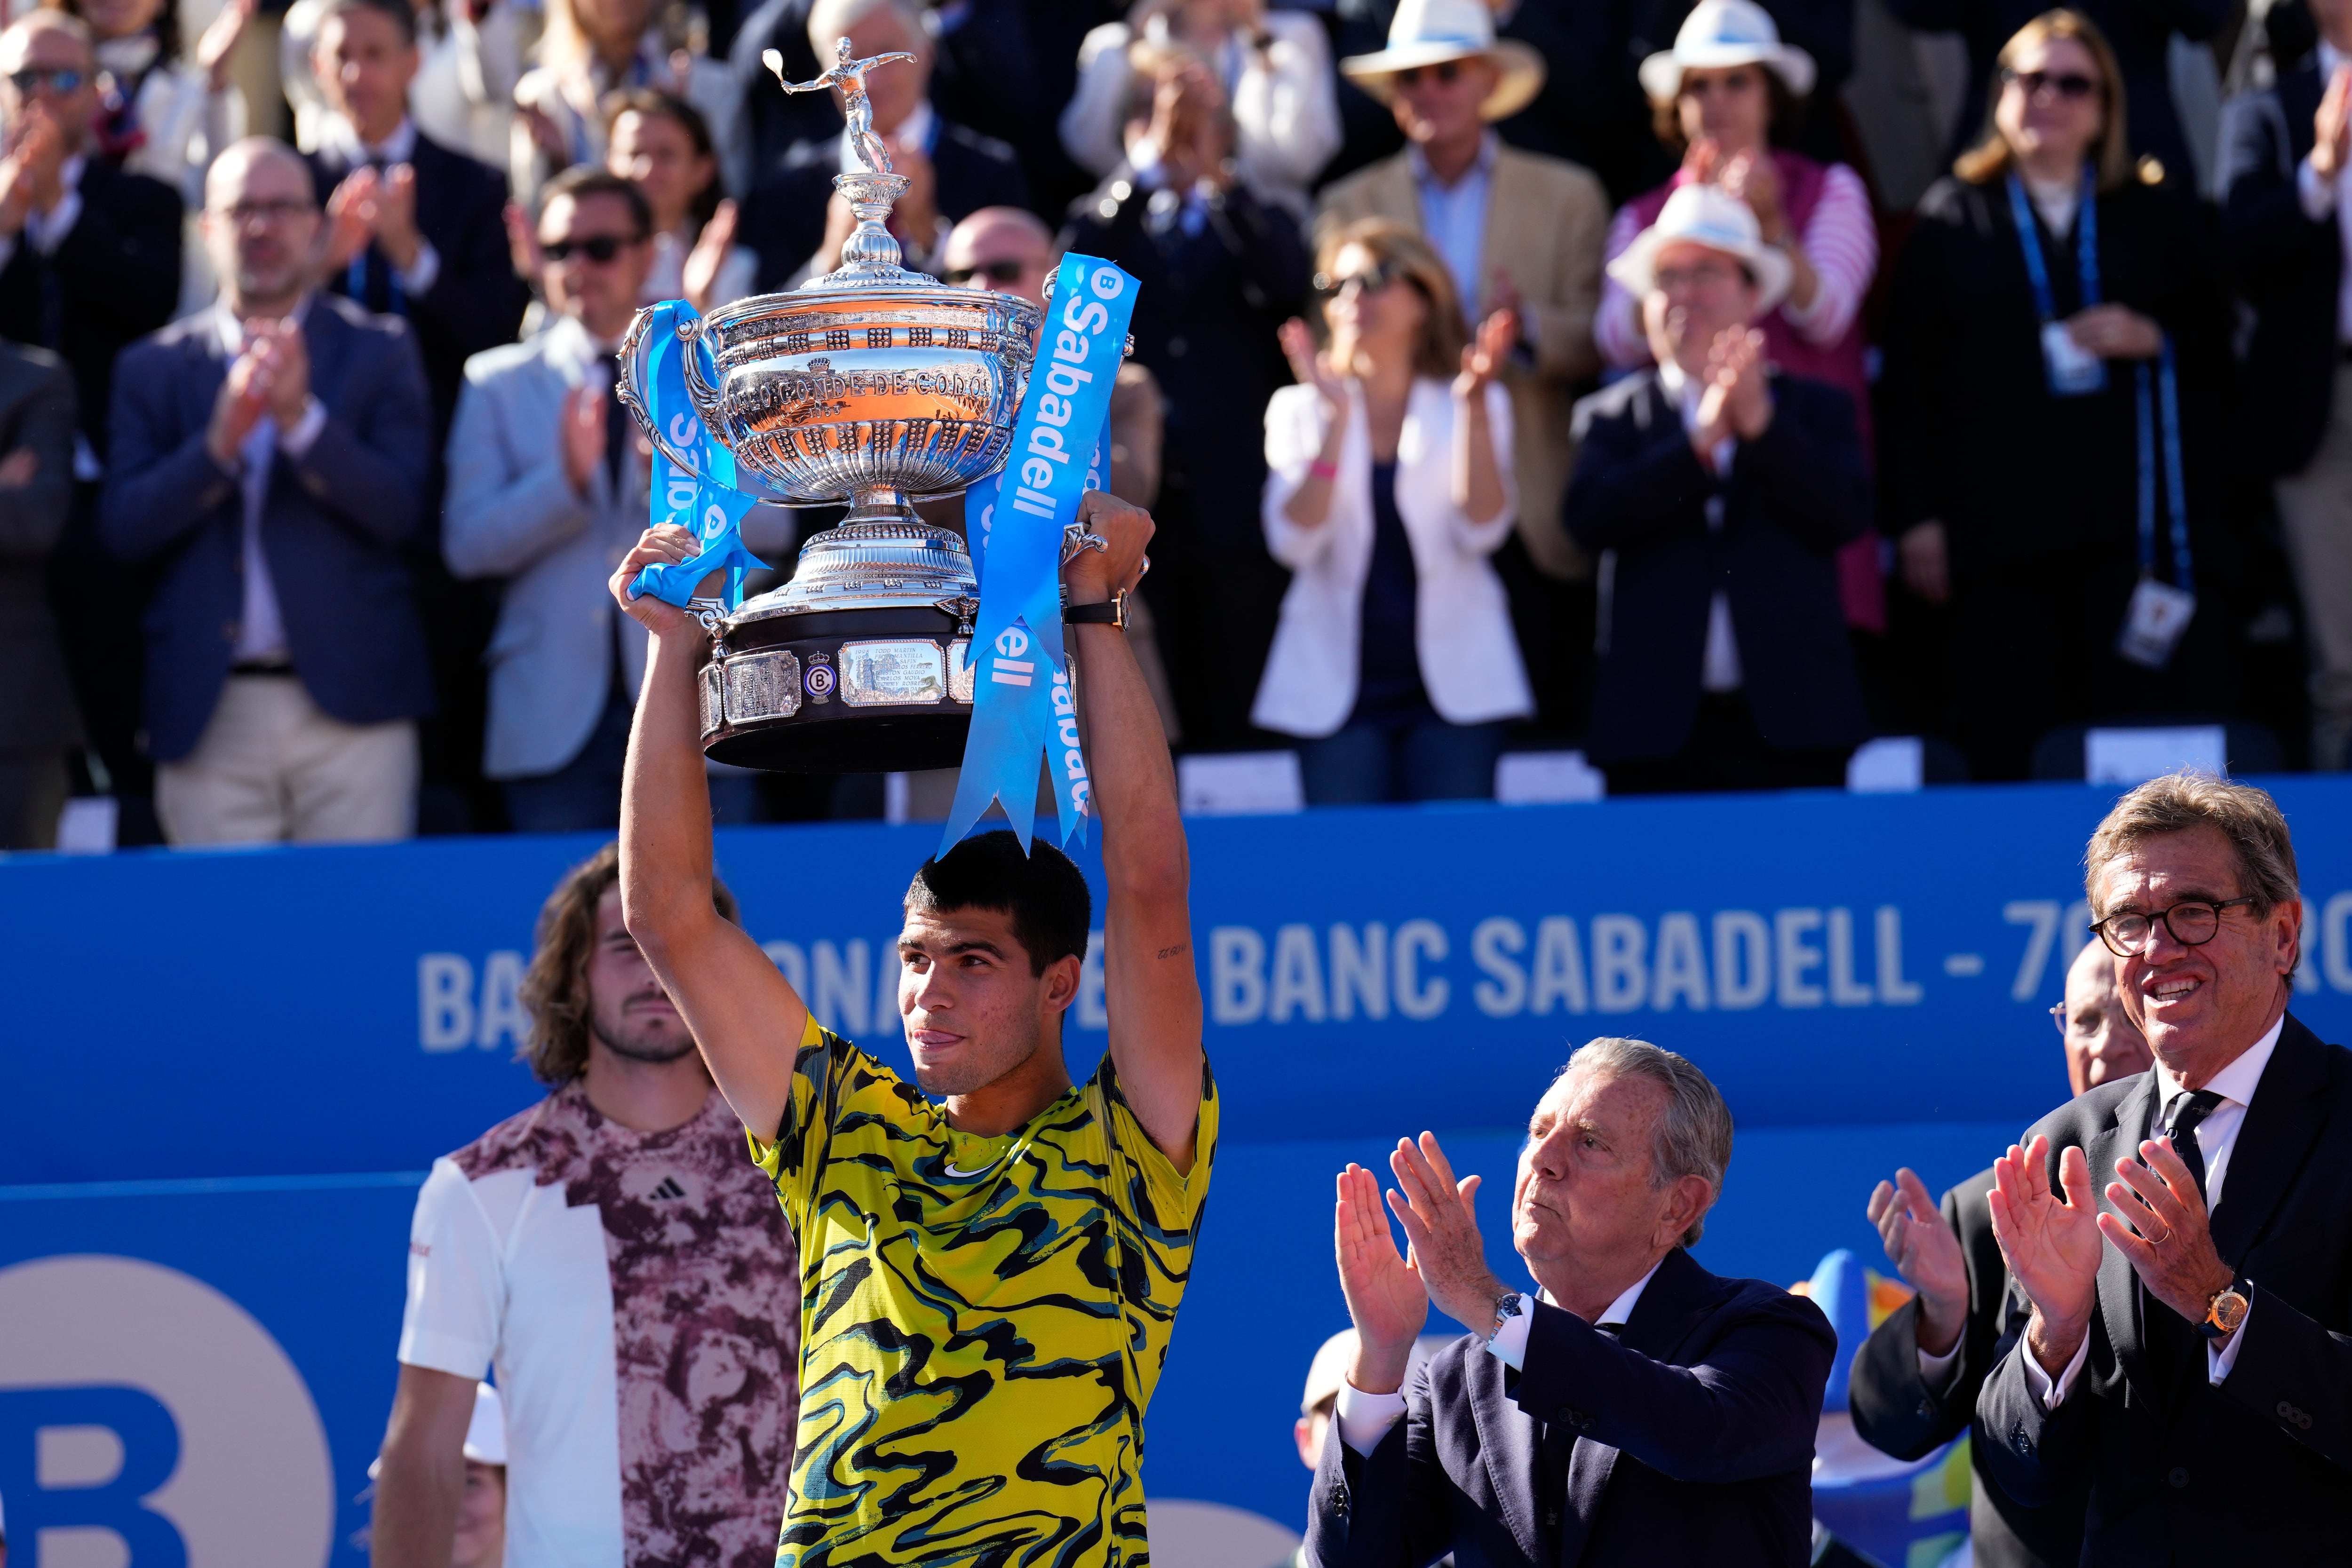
pixel 1693 1436
pixel 2287 266
pixel 1898 1412
pixel 332 523
pixel 784 221
pixel 1640 493
pixel 476 301
pixel 2181 1471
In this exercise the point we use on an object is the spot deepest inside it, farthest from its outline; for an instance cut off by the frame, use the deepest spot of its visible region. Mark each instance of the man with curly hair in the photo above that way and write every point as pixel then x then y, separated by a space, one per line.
pixel 623 1268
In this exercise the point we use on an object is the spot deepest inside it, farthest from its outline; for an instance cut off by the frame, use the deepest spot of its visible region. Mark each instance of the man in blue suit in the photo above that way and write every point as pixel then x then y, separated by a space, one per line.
pixel 1716 491
pixel 269 459
pixel 1639 1410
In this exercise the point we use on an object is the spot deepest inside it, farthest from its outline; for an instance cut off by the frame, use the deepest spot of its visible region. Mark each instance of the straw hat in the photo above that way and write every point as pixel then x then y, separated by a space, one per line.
pixel 1706 215
pixel 1430 33
pixel 1722 33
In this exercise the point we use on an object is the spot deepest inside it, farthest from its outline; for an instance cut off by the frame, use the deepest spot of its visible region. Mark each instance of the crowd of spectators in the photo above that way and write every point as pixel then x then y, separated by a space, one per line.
pixel 1518 374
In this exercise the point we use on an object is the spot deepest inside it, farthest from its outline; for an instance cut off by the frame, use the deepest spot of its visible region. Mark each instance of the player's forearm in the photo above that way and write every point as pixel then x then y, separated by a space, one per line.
pixel 666 802
pixel 417 1498
pixel 1133 777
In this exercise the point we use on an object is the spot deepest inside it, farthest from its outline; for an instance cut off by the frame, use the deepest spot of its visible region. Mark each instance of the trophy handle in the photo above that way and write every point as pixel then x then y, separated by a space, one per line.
pixel 635 360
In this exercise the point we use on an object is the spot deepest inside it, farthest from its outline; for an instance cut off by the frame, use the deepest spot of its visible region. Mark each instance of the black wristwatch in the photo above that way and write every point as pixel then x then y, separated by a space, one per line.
pixel 1111 612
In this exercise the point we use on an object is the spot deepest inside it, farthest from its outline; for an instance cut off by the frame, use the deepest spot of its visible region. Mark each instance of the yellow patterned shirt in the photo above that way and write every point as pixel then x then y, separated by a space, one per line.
pixel 983 1319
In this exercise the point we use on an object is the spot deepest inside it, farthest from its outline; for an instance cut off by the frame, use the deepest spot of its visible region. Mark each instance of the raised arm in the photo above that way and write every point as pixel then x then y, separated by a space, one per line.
pixel 1150 989
pixel 744 1013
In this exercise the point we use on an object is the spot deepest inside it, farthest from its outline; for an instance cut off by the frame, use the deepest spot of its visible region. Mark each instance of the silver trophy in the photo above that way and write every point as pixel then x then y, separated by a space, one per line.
pixel 872 386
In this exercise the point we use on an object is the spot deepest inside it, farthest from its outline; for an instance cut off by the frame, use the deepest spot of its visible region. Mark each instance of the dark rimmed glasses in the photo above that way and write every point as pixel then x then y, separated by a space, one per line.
pixel 1366 281
pixel 2071 85
pixel 1002 273
pixel 598 248
pixel 2193 923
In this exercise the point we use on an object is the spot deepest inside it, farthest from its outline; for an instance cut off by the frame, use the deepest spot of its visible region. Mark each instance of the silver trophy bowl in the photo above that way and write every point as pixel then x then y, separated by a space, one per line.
pixel 871 387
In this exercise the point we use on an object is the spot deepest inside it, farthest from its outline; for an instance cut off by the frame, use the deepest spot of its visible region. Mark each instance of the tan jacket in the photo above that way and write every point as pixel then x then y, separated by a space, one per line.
pixel 1545 222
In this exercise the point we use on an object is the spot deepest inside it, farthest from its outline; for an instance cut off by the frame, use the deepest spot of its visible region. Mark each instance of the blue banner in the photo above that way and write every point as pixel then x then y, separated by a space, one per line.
pixel 1022 695
pixel 707 501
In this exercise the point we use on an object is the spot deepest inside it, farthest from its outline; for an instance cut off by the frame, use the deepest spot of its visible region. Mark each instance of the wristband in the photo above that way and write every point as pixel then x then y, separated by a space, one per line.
pixel 1326 472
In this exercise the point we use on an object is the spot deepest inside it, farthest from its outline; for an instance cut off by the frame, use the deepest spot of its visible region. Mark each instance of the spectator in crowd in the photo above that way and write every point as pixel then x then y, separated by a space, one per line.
pixel 413 228
pixel 269 459
pixel 2041 312
pixel 89 253
pixel 1325 1375
pixel 952 171
pixel 661 144
pixel 1721 492
pixel 589 49
pixel 547 491
pixel 626 1443
pixel 1727 96
pixel 1915 1379
pixel 1273 69
pixel 2183 1348
pixel 39 724
pixel 2284 224
pixel 1220 271
pixel 164 110
pixel 1637 1410
pixel 1519 232
pixel 2139 34
pixel 1388 487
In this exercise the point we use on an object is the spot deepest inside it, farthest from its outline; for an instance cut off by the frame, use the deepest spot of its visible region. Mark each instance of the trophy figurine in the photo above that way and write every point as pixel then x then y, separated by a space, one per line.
pixel 871 386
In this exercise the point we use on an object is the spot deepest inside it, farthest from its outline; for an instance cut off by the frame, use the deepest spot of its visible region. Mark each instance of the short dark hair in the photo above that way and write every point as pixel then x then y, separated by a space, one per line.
pixel 1046 894
pixel 582 181
pixel 399 13
pixel 555 988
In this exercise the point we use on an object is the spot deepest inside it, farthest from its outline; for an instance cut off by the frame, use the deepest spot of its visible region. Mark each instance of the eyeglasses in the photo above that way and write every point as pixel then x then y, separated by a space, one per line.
pixel 278 211
pixel 1697 86
pixel 1704 275
pixel 1445 73
pixel 994 271
pixel 2072 86
pixel 1370 280
pixel 57 78
pixel 2192 924
pixel 598 248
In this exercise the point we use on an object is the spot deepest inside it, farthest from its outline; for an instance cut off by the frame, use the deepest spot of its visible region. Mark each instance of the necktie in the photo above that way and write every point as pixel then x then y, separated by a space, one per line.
pixel 2181 1116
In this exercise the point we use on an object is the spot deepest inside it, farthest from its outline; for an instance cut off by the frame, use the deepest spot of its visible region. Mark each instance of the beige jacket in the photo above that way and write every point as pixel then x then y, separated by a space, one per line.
pixel 1545 222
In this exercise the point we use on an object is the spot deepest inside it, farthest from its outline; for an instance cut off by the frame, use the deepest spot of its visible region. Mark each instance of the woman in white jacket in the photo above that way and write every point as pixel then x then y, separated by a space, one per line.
pixel 1387 486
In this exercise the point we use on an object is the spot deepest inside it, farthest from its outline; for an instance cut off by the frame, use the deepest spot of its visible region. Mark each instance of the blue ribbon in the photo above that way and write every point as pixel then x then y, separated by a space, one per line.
pixel 1023 708
pixel 710 505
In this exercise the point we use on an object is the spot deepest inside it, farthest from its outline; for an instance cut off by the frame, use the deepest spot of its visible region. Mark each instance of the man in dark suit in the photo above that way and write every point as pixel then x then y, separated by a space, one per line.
pixel 2288 167
pixel 269 458
pixel 952 171
pixel 1641 1410
pixel 1915 1378
pixel 38 722
pixel 2180 1341
pixel 1721 492
pixel 415 228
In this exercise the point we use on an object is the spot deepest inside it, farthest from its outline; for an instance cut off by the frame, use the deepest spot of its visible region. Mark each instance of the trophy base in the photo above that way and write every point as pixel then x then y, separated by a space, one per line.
pixel 842 691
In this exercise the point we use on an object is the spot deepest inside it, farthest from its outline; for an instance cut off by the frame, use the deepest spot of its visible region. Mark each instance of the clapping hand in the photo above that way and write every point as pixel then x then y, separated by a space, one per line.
pixel 1442 1226
pixel 2115 333
pixel 217 47
pixel 32 174
pixel 1484 356
pixel 699 277
pixel 1385 1298
pixel 1737 402
pixel 2169 1241
pixel 2050 1245
pixel 582 432
pixel 522 246
pixel 1755 179
pixel 267 375
pixel 2331 146
pixel 1312 369
pixel 1927 1254
pixel 367 206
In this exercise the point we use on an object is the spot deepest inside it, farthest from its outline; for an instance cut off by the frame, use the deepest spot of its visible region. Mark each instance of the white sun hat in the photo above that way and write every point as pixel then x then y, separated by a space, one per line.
pixel 1706 215
pixel 1430 33
pixel 1722 33
pixel 486 1433
pixel 1330 1368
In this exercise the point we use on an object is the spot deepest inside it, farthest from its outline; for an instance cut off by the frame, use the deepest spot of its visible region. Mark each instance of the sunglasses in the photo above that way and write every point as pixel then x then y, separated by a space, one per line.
pixel 277 211
pixel 1445 73
pixel 1370 280
pixel 57 78
pixel 2070 85
pixel 1005 272
pixel 598 248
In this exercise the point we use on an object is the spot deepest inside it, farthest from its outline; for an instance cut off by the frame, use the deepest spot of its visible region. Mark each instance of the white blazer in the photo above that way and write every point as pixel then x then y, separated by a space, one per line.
pixel 1469 656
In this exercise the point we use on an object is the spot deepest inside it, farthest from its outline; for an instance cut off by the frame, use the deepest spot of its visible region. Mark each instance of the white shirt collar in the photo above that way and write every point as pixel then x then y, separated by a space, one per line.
pixel 1621 1311
pixel 340 138
pixel 2235 1082
pixel 1482 165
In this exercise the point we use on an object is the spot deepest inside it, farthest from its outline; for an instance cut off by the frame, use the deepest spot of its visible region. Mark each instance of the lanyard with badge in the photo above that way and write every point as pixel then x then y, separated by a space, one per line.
pixel 2158 611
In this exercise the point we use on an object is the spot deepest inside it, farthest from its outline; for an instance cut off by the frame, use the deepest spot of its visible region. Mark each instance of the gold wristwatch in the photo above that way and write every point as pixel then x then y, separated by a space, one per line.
pixel 2225 1311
